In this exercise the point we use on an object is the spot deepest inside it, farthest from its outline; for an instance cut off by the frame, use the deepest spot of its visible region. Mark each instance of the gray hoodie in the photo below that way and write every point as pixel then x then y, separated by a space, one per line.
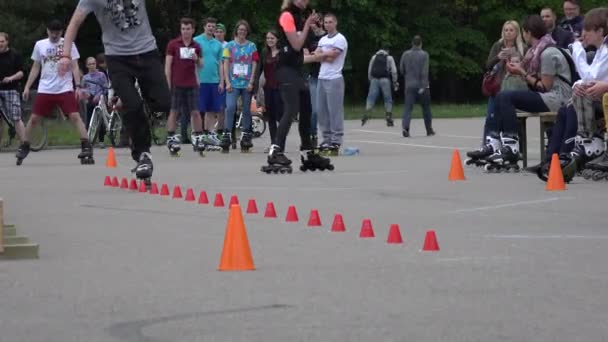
pixel 414 66
pixel 392 67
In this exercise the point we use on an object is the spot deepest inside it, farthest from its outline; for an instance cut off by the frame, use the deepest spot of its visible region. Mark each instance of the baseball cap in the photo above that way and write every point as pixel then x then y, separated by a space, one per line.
pixel 54 25
pixel 220 26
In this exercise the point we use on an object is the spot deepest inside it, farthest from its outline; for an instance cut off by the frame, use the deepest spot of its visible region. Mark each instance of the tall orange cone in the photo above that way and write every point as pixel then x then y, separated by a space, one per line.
pixel 456 171
pixel 111 159
pixel 236 254
pixel 556 177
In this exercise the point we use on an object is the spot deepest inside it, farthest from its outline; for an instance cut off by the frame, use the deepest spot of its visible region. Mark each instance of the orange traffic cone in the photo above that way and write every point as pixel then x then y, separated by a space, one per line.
pixel 456 171
pixel 111 160
pixel 236 254
pixel 556 177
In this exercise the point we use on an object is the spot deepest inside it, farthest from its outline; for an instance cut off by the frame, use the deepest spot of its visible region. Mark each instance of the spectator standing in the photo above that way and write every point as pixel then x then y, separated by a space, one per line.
pixel 383 77
pixel 562 37
pixel 11 74
pixel 414 66
pixel 572 20
pixel 93 84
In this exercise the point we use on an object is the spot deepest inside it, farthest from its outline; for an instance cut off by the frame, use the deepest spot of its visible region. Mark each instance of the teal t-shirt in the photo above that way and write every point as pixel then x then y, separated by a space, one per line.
pixel 212 57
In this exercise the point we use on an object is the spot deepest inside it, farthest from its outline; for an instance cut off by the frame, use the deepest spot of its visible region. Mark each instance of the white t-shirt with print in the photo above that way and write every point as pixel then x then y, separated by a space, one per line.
pixel 333 70
pixel 48 54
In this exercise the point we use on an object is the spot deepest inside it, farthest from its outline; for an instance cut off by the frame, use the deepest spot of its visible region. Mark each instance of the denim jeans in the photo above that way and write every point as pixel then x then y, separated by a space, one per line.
pixel 377 86
pixel 490 111
pixel 507 102
pixel 312 86
pixel 231 99
pixel 562 135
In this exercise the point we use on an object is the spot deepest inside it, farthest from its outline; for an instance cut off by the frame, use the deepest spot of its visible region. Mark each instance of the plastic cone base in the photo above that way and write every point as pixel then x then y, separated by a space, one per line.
pixel 219 200
pixel 124 183
pixel 107 181
pixel 338 224
pixel 154 189
pixel 143 187
pixel 234 200
pixel 115 182
pixel 164 190
pixel 252 207
pixel 556 177
pixel 394 234
pixel 111 159
pixel 314 220
pixel 190 196
pixel 177 192
pixel 430 242
pixel 133 185
pixel 367 231
pixel 292 214
pixel 270 211
pixel 202 198
pixel 456 170
pixel 236 253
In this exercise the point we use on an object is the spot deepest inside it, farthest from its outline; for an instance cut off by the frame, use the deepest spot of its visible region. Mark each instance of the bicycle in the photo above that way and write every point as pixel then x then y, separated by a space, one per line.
pixel 38 137
pixel 111 120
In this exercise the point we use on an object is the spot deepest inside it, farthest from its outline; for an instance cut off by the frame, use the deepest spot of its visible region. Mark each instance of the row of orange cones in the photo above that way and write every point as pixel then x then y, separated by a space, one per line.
pixel 555 182
pixel 314 220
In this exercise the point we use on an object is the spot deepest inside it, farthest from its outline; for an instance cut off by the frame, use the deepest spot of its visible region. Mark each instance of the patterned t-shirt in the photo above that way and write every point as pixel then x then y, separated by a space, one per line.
pixel 48 55
pixel 241 57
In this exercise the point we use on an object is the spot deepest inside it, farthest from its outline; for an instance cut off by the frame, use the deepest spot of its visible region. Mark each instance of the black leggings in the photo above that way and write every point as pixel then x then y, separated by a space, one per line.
pixel 274 111
pixel 296 98
pixel 148 70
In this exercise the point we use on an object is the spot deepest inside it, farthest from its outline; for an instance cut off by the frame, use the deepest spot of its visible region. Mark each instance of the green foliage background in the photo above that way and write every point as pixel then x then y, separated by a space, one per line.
pixel 457 34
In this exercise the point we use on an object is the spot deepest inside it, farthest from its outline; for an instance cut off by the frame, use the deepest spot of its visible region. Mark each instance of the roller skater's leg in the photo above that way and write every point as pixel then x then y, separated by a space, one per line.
pixel 479 157
pixel 22 152
pixel 86 154
pixel 173 144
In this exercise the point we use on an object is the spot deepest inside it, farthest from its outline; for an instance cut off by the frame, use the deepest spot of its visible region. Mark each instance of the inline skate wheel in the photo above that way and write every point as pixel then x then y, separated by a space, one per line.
pixel 303 168
pixel 330 167
pixel 488 168
pixel 587 174
pixel 598 175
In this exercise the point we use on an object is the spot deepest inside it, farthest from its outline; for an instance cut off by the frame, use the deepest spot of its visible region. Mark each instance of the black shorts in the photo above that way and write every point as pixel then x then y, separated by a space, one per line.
pixel 184 100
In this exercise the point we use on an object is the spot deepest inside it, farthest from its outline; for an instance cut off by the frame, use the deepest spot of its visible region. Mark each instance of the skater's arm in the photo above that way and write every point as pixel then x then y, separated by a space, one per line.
pixel 70 35
pixel 30 79
pixel 295 39
pixel 226 74
pixel 76 73
pixel 168 62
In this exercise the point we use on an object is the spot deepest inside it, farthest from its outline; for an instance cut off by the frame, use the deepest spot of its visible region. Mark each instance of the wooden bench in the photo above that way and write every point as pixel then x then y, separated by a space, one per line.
pixel 547 119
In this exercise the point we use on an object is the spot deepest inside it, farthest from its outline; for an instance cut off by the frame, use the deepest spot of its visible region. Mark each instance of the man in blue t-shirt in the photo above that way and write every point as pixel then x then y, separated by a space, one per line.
pixel 211 76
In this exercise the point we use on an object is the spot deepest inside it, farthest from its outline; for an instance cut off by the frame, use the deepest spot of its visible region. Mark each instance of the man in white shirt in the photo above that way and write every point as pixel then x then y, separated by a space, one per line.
pixel 54 90
pixel 330 92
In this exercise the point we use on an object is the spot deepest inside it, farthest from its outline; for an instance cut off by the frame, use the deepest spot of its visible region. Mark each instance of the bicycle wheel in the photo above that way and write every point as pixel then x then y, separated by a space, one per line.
pixel 94 126
pixel 115 129
pixel 258 125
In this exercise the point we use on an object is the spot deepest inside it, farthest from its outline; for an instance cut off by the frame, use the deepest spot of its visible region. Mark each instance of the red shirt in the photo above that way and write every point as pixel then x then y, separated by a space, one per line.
pixel 183 67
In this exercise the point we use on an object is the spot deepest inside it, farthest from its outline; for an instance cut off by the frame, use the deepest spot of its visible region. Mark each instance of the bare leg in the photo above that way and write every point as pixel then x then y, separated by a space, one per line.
pixel 196 121
pixel 20 128
pixel 34 121
pixel 172 121
pixel 77 122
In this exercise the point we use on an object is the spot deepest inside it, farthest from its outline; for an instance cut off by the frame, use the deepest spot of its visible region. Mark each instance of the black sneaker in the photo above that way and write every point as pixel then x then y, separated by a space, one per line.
pixel 406 133
pixel 430 132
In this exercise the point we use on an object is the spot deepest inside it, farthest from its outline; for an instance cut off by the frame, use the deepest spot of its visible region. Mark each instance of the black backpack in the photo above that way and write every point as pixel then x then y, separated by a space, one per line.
pixel 574 76
pixel 380 66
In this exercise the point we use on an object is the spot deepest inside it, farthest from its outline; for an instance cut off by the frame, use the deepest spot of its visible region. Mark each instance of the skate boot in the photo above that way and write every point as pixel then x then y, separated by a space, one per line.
pixel 173 145
pixel 597 169
pixel 312 161
pixel 86 155
pixel 567 163
pixel 198 145
pixel 329 150
pixel 364 119
pixel 314 140
pixel 212 142
pixel 246 143
pixel 506 158
pixel 479 156
pixel 277 162
pixel 225 144
pixel 22 152
pixel 144 169
pixel 389 119
pixel 233 136
pixel 586 149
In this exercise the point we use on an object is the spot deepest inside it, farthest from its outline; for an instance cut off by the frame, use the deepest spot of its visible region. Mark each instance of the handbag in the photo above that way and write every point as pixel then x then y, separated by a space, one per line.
pixel 490 85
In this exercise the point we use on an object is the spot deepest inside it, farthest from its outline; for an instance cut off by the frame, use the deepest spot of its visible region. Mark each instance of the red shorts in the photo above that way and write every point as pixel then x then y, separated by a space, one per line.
pixel 45 103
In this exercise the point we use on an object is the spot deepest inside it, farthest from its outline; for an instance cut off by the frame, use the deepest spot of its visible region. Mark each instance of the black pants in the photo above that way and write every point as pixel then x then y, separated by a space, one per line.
pixel 296 98
pixel 274 111
pixel 102 127
pixel 504 118
pixel 148 71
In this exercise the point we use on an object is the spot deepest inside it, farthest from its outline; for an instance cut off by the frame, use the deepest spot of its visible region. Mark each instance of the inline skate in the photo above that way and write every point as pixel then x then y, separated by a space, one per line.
pixel 173 144
pixel 312 161
pixel 506 158
pixel 277 162
pixel 86 154
pixel 144 169
pixel 226 141
pixel 198 145
pixel 246 143
pixel 479 157
pixel 22 152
